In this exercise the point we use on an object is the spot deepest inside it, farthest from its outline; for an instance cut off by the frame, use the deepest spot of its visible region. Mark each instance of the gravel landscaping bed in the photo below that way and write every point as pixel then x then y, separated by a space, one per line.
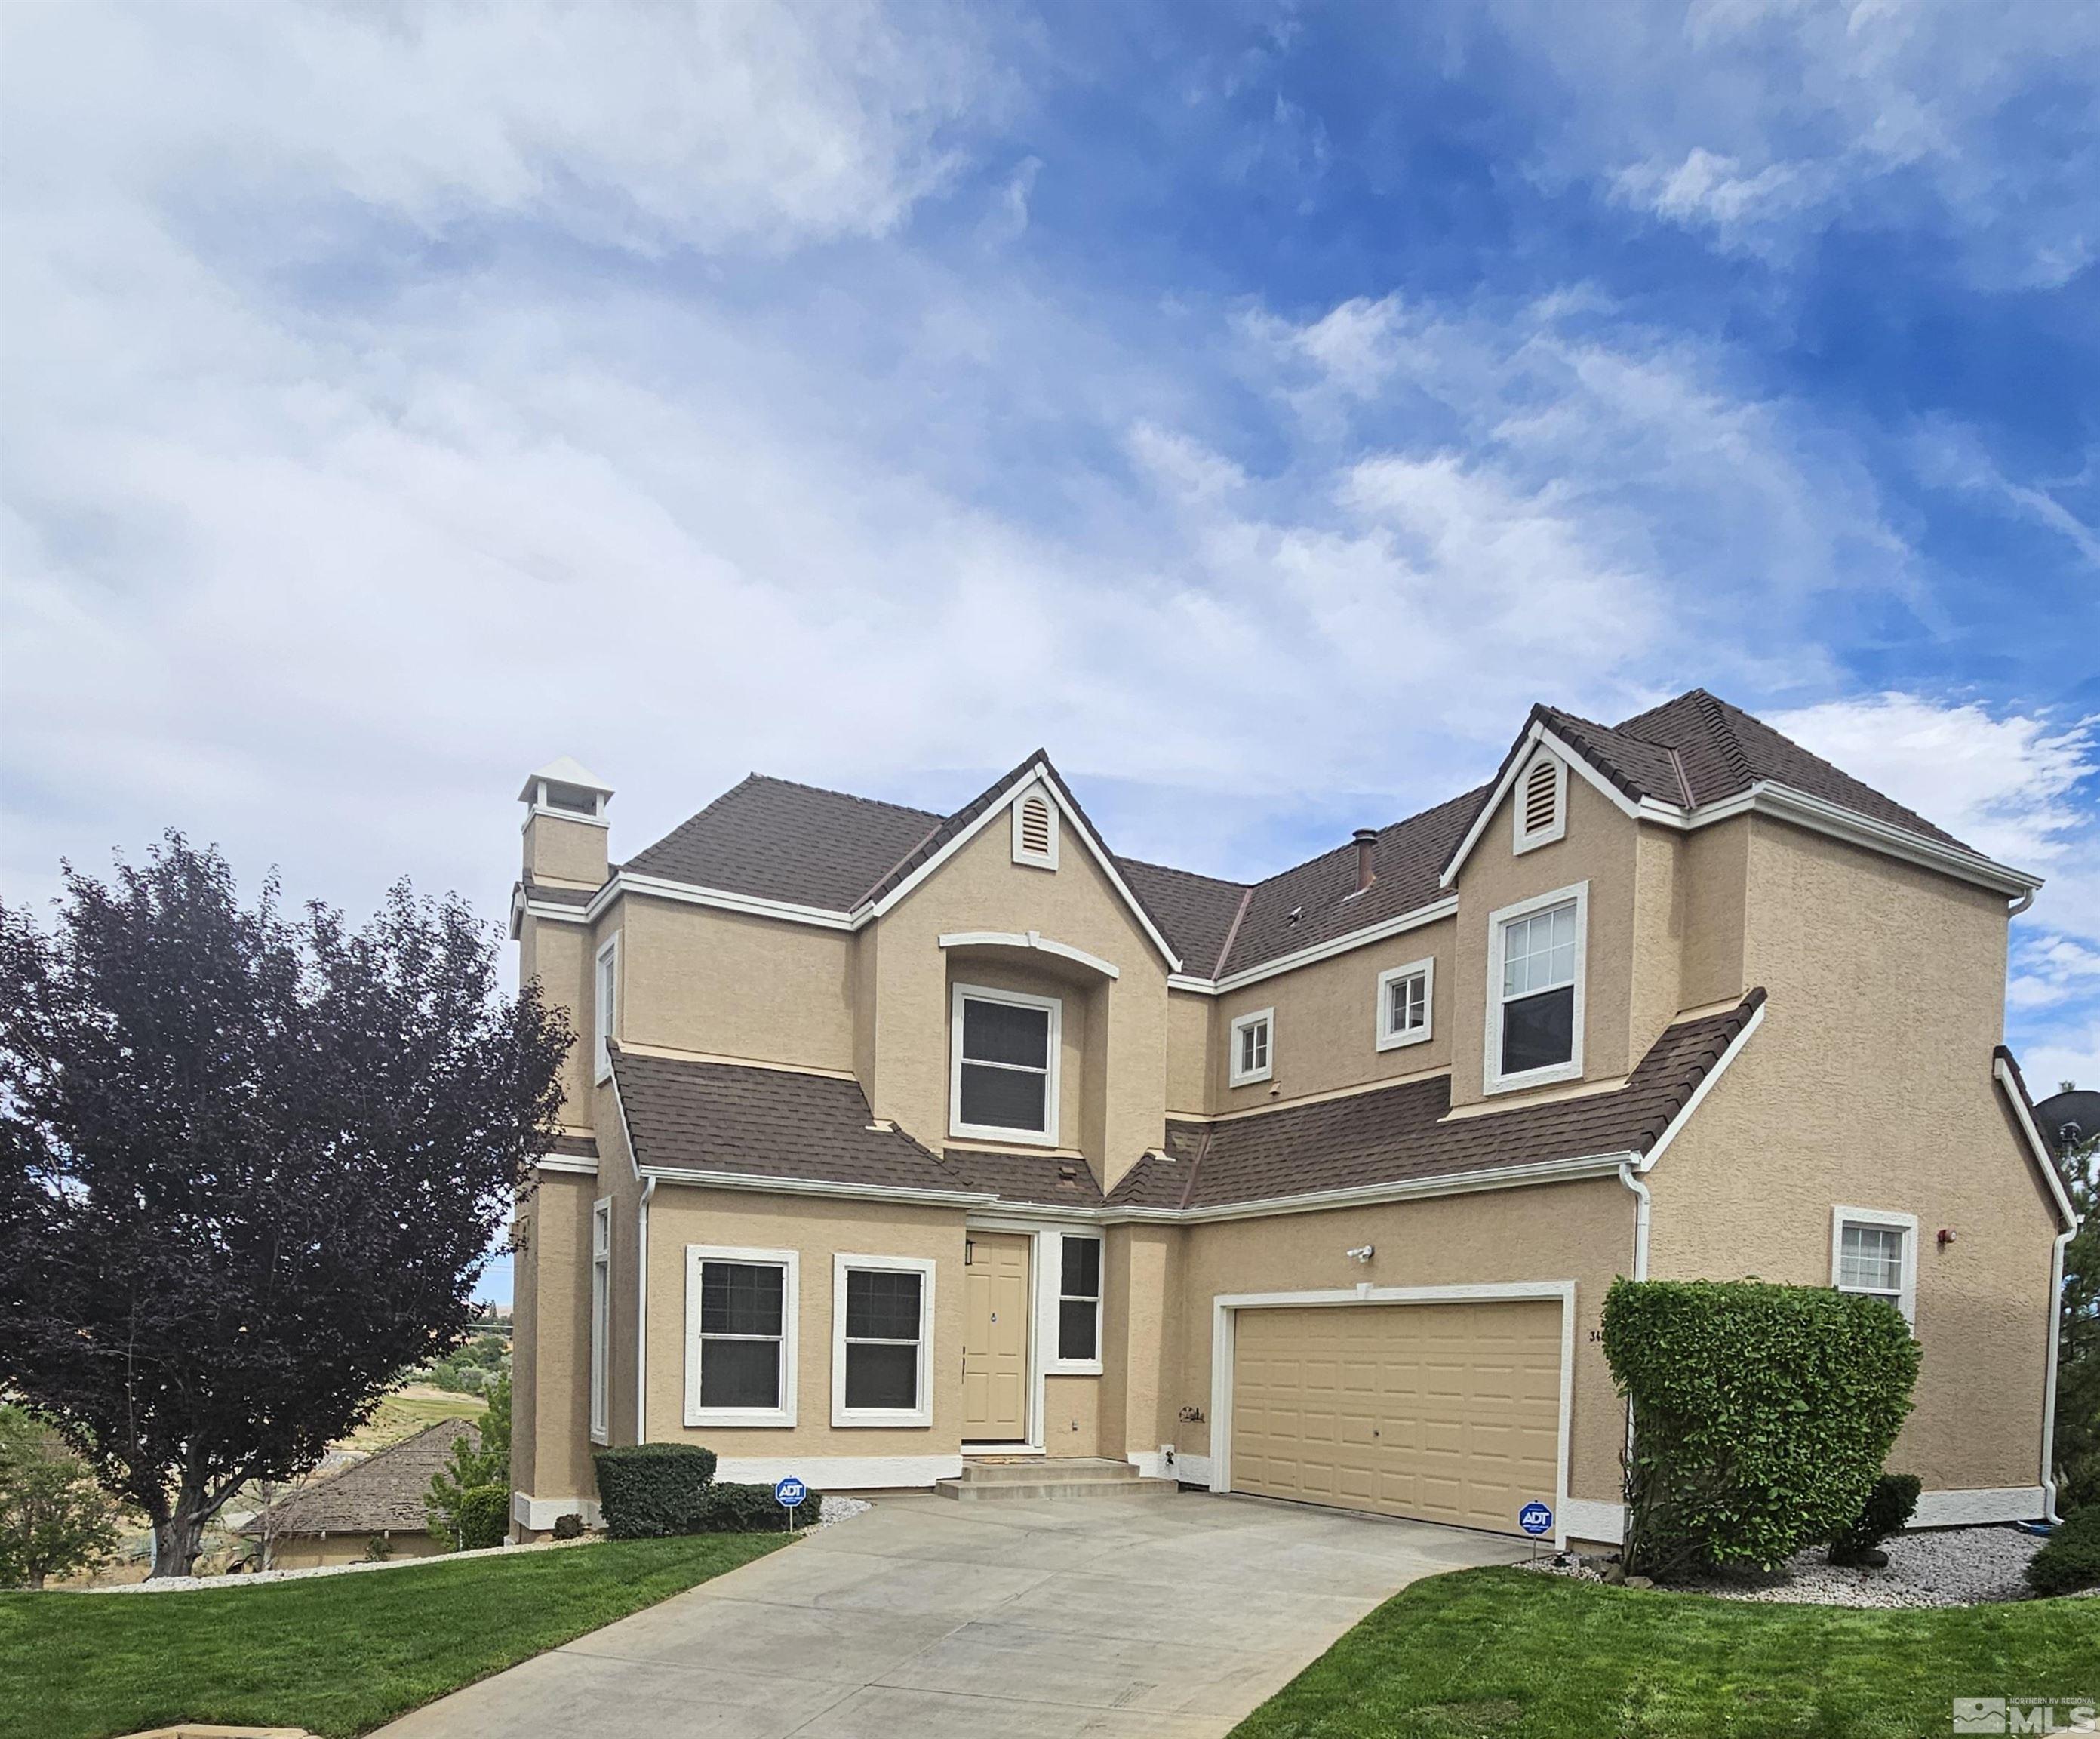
pixel 1946 1567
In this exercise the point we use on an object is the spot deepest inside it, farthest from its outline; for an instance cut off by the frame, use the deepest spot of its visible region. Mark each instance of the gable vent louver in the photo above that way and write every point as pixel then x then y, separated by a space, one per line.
pixel 1538 797
pixel 1542 803
pixel 1036 832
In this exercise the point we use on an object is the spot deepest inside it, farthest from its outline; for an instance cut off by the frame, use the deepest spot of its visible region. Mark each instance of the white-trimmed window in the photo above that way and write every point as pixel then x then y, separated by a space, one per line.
pixel 1875 1252
pixel 1538 804
pixel 1253 1048
pixel 1405 997
pixel 882 1341
pixel 605 1005
pixel 1035 829
pixel 1002 1066
pixel 1078 1301
pixel 1536 970
pixel 740 1314
pixel 601 1320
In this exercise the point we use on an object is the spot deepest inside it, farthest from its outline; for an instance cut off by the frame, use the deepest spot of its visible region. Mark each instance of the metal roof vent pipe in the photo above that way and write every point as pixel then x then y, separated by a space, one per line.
pixel 1366 840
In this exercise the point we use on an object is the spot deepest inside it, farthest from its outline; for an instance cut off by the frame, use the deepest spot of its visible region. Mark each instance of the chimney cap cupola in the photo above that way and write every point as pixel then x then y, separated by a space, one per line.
pixel 566 787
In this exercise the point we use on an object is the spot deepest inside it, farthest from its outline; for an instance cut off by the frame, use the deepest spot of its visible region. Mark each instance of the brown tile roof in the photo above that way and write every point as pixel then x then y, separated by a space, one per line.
pixel 1039 1178
pixel 576 1146
pixel 384 1493
pixel 548 894
pixel 1400 1134
pixel 1407 858
pixel 784 841
pixel 774 1124
pixel 781 840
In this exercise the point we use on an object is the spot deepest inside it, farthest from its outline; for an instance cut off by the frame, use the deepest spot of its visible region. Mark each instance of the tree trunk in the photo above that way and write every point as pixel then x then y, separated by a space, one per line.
pixel 177 1540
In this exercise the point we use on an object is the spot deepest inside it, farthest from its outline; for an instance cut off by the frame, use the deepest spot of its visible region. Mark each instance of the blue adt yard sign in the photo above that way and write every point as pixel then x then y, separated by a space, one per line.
pixel 1534 1518
pixel 789 1491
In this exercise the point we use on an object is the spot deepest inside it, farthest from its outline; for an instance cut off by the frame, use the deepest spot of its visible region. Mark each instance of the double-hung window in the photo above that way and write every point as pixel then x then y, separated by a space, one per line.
pixel 882 1335
pixel 1078 1301
pixel 1535 969
pixel 1403 997
pixel 1003 1084
pixel 740 1309
pixel 1875 1252
pixel 601 1320
pixel 1252 1058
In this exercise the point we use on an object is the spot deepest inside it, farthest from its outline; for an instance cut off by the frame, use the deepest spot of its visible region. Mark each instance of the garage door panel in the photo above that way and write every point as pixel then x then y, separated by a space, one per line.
pixel 1445 1412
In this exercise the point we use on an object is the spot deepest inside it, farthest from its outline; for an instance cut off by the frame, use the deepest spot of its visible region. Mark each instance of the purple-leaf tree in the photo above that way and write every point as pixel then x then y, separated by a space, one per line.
pixel 250 1167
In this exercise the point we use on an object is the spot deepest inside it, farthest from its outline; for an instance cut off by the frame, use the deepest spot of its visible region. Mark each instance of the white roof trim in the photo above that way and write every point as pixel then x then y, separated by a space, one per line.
pixel 814 1186
pixel 1029 939
pixel 1765 798
pixel 1706 1086
pixel 567 1163
pixel 753 905
pixel 996 807
pixel 1367 1195
pixel 1441 908
pixel 2036 1144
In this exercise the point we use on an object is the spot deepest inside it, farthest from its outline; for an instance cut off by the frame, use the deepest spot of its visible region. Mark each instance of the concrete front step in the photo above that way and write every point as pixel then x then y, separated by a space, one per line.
pixel 1013 1480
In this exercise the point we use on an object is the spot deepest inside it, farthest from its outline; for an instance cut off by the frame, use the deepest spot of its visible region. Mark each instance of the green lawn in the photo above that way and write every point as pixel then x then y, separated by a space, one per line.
pixel 1511 1654
pixel 336 1654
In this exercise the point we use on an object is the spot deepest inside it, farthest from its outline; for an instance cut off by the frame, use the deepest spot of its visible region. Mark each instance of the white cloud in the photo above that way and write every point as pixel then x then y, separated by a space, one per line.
pixel 1762 121
pixel 2008 785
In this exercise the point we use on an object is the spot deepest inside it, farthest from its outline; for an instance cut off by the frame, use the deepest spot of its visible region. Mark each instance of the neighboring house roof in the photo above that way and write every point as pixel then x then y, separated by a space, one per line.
pixel 773 839
pixel 765 1125
pixel 382 1493
pixel 1401 1134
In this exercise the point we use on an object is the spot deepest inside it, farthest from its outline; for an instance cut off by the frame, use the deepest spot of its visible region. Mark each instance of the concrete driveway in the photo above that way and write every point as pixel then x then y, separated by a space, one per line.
pixel 1133 1619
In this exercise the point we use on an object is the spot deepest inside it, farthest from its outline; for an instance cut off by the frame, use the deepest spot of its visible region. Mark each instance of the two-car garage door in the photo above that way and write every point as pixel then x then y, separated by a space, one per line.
pixel 1442 1412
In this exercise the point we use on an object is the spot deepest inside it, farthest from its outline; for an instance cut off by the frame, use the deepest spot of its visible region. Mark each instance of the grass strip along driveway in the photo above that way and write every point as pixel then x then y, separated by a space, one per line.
pixel 1512 1654
pixel 336 1654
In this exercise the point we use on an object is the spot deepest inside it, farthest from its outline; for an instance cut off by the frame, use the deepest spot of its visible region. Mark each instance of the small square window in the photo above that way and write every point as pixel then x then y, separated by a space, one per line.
pixel 1875 1252
pixel 1404 999
pixel 1252 1057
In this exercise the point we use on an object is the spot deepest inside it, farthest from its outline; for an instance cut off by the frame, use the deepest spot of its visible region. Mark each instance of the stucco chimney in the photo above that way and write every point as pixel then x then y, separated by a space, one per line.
pixel 565 824
pixel 1366 841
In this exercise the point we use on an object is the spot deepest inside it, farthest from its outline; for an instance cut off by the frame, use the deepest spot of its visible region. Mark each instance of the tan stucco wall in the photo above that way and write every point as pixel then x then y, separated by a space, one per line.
pixel 1581 1232
pixel 306 1553
pixel 559 955
pixel 1710 893
pixel 817 1227
pixel 726 985
pixel 572 852
pixel 981 889
pixel 1072 1415
pixel 1599 848
pixel 1325 1031
pixel 550 1350
pixel 1869 1085
pixel 1190 1023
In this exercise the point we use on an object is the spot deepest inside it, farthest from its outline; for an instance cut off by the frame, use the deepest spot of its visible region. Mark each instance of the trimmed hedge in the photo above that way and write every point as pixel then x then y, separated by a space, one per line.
pixel 649 1490
pixel 1762 1415
pixel 484 1516
pixel 1889 1508
pixel 752 1509
pixel 2071 1560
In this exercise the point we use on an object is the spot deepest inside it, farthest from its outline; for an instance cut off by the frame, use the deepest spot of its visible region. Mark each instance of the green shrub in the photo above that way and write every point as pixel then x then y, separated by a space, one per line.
pixel 569 1527
pixel 1762 1415
pixel 751 1509
pixel 2071 1560
pixel 1888 1510
pixel 484 1516
pixel 648 1491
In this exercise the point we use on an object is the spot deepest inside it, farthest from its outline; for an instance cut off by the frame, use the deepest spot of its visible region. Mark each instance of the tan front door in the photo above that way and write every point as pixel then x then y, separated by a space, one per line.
pixel 995 1339
pixel 1441 1412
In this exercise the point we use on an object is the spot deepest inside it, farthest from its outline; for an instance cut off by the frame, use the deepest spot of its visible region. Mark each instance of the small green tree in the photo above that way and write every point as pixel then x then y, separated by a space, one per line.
pixel 475 1465
pixel 2078 1346
pixel 52 1515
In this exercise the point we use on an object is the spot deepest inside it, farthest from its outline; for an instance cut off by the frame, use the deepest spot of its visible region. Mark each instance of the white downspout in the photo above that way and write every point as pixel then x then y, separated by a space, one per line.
pixel 2062 1241
pixel 1630 1174
pixel 641 1312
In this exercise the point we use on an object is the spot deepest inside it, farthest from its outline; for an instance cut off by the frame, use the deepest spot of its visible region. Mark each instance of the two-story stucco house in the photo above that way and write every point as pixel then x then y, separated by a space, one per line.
pixel 895 1139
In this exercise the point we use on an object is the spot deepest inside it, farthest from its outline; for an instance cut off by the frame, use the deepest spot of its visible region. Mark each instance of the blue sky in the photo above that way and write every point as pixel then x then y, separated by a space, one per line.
pixel 1259 406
